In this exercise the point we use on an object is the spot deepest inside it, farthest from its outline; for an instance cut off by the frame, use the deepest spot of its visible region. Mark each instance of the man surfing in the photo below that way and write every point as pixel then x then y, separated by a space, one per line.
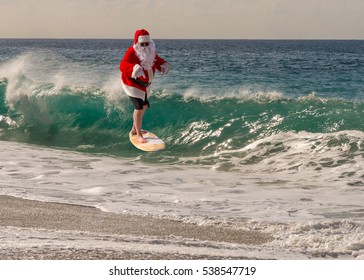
pixel 137 72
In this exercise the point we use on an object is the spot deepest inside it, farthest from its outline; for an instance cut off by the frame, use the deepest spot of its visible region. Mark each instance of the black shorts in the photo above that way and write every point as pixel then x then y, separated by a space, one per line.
pixel 139 103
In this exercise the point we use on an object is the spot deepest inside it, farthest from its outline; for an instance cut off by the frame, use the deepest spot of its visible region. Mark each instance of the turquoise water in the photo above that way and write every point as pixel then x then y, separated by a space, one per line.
pixel 259 134
pixel 220 95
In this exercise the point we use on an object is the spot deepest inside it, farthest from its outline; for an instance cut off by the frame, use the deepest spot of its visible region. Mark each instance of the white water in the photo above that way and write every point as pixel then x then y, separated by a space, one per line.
pixel 310 213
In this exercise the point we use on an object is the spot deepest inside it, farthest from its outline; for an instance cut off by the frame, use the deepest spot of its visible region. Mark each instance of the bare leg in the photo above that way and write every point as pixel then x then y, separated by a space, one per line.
pixel 137 126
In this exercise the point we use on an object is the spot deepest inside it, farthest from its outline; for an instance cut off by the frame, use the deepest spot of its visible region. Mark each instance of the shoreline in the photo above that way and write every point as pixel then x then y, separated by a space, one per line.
pixel 51 218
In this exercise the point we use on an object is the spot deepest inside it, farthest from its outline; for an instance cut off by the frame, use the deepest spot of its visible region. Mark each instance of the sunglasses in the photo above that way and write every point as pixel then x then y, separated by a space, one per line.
pixel 146 44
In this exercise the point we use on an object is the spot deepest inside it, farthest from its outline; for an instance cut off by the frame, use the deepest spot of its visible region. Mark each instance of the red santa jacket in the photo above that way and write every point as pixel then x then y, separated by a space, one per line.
pixel 131 87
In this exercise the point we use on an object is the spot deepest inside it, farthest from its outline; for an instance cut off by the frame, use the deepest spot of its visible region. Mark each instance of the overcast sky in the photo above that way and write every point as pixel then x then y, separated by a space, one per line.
pixel 181 19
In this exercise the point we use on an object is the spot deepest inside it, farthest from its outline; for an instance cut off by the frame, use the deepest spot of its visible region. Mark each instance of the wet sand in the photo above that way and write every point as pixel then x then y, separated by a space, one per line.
pixel 22 213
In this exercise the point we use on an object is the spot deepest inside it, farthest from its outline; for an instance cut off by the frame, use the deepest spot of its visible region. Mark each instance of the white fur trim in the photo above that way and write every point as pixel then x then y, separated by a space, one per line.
pixel 150 75
pixel 144 39
pixel 133 91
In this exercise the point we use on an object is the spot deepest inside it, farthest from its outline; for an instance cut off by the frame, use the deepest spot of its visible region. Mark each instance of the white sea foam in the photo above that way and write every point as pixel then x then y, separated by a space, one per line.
pixel 27 239
pixel 242 94
pixel 297 208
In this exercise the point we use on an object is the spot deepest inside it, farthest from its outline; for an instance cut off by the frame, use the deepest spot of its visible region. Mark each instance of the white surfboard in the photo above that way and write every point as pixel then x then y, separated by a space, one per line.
pixel 154 142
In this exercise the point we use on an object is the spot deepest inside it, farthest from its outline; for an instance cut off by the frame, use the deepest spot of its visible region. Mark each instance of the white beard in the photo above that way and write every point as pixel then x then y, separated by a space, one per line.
pixel 146 55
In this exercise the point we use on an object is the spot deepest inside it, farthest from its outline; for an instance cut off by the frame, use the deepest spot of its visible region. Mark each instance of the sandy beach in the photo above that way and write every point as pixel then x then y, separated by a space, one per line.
pixel 22 216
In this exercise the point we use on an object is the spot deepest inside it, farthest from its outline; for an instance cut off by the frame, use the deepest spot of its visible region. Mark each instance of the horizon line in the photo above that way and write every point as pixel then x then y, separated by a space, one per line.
pixel 230 39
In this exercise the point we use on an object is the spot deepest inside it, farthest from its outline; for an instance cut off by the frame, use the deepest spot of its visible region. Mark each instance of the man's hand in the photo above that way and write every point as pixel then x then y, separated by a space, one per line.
pixel 137 72
pixel 165 68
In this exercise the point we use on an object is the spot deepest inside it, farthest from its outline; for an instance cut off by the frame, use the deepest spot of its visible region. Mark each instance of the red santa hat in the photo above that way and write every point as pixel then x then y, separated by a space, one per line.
pixel 141 36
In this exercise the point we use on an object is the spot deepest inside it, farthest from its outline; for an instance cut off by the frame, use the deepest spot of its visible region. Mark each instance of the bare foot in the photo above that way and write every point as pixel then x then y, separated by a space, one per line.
pixel 133 132
pixel 142 139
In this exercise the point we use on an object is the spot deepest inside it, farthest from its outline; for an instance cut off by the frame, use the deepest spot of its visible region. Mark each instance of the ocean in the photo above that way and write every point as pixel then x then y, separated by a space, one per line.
pixel 260 134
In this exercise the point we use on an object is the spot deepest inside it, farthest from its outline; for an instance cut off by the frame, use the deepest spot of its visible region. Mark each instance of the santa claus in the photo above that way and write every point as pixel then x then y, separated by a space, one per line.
pixel 137 72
